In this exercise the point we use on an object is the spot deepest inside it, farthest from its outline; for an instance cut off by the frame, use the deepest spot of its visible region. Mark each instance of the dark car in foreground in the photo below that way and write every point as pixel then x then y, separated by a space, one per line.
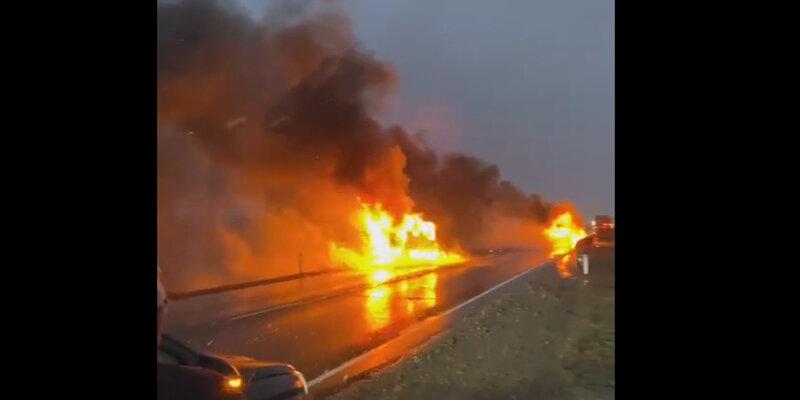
pixel 257 380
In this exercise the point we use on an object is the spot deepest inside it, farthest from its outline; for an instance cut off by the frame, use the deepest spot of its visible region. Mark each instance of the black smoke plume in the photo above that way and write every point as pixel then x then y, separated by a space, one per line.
pixel 268 136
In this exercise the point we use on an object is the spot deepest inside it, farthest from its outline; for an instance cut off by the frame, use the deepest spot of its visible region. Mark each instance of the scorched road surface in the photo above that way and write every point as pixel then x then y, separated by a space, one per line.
pixel 319 335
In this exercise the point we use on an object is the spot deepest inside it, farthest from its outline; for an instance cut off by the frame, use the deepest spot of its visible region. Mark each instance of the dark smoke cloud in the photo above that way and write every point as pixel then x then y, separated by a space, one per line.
pixel 267 137
pixel 470 199
pixel 328 111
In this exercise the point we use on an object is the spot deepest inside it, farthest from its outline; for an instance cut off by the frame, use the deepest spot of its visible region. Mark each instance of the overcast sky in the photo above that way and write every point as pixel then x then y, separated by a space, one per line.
pixel 524 84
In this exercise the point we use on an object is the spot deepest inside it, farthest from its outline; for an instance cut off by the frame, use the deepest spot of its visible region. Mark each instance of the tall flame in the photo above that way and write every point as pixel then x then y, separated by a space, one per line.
pixel 387 245
pixel 564 234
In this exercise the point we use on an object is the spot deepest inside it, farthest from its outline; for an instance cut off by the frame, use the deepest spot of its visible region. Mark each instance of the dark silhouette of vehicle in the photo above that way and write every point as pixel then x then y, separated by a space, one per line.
pixel 594 256
pixel 257 380
pixel 603 231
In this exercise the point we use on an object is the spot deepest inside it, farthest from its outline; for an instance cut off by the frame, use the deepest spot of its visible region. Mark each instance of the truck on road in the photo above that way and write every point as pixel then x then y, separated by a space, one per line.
pixel 603 227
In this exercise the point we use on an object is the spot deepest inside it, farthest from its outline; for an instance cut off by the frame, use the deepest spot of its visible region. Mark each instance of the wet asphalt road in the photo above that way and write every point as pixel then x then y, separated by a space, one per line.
pixel 320 335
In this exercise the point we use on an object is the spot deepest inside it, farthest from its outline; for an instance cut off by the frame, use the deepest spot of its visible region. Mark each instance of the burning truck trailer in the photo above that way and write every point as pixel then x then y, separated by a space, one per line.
pixel 393 247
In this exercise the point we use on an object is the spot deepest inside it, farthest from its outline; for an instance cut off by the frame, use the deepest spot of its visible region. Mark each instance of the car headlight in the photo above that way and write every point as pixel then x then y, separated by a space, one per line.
pixel 301 382
pixel 235 382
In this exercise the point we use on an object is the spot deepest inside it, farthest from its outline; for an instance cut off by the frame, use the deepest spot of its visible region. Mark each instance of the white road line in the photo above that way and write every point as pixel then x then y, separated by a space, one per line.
pixel 352 361
pixel 265 311
pixel 486 292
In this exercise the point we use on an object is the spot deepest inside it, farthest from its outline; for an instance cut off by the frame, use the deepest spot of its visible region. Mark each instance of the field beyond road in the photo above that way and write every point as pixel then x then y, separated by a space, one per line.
pixel 539 337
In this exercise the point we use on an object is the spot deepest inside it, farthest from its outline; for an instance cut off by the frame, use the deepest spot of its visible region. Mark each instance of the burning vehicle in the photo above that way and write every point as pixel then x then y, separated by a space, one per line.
pixel 390 247
pixel 564 233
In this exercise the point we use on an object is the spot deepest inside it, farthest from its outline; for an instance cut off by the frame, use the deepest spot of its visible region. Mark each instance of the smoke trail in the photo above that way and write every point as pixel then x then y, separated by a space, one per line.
pixel 267 136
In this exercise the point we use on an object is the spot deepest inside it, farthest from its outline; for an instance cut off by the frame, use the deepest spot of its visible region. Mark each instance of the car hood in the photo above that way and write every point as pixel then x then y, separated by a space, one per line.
pixel 251 368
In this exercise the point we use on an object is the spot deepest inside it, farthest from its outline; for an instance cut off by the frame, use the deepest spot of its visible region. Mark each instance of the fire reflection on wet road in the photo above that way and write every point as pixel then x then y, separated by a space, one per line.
pixel 419 294
pixel 378 312
pixel 319 336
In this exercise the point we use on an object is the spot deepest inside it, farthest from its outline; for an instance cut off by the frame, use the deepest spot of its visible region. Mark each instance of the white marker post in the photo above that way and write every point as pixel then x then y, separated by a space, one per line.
pixel 585 264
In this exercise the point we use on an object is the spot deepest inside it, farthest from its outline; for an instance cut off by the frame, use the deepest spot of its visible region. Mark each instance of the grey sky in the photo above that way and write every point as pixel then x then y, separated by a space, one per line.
pixel 526 85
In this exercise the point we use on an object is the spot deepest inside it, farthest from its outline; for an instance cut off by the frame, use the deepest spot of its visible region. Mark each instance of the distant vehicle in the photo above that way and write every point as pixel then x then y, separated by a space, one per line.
pixel 603 231
pixel 603 220
pixel 257 380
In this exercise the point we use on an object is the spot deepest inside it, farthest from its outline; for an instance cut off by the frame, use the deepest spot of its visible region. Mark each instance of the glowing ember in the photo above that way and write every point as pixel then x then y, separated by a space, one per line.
pixel 387 244
pixel 563 234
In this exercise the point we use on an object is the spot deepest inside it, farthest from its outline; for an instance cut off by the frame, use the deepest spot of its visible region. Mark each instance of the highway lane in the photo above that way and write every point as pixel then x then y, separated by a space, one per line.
pixel 320 335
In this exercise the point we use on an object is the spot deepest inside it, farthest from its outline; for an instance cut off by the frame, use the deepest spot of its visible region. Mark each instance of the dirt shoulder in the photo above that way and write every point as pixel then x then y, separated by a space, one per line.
pixel 538 337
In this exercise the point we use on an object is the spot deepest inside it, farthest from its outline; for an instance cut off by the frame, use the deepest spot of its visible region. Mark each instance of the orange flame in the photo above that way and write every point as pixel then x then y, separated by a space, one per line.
pixel 564 234
pixel 388 245
pixel 563 266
